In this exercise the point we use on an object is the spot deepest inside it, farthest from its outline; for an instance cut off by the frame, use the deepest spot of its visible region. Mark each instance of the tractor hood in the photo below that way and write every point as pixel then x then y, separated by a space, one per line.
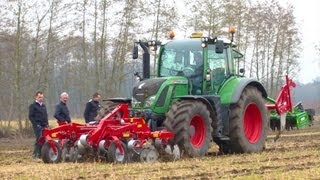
pixel 155 91
pixel 146 88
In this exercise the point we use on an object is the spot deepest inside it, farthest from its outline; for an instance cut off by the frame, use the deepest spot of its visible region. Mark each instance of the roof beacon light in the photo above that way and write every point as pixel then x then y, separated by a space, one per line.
pixel 171 35
pixel 232 29
pixel 196 35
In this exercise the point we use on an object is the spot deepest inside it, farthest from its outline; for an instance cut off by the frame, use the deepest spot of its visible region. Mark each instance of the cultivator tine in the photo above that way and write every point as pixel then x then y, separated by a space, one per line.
pixel 282 126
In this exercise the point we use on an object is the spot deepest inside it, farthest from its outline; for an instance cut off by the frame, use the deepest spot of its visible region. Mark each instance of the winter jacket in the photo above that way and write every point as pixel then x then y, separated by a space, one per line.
pixel 62 112
pixel 38 114
pixel 91 111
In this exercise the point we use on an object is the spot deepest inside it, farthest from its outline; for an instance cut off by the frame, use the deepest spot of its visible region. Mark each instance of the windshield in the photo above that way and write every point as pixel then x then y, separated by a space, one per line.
pixel 215 60
pixel 181 57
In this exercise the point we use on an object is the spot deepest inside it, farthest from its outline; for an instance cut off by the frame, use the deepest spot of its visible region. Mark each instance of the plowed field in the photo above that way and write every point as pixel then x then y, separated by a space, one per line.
pixel 296 155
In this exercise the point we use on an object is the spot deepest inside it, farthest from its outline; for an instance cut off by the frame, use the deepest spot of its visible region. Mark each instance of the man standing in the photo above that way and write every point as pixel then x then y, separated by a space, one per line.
pixel 62 112
pixel 92 108
pixel 39 118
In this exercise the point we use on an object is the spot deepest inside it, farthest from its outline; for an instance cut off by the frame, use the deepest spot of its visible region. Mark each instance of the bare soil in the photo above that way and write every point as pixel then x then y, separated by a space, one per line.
pixel 296 155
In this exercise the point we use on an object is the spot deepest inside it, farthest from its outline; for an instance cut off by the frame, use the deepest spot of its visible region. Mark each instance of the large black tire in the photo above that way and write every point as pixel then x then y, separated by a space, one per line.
pixel 114 154
pixel 311 114
pixel 273 124
pixel 191 123
pixel 248 123
pixel 109 106
pixel 47 154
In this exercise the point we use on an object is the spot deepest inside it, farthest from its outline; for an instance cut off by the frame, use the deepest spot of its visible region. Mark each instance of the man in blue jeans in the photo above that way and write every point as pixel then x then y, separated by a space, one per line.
pixel 39 118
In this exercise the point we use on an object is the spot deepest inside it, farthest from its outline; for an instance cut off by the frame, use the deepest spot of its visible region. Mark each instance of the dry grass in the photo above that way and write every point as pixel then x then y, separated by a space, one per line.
pixel 296 155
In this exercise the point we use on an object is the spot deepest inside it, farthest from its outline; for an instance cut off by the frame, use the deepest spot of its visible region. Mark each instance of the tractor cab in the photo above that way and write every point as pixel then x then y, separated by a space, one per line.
pixel 193 66
pixel 205 62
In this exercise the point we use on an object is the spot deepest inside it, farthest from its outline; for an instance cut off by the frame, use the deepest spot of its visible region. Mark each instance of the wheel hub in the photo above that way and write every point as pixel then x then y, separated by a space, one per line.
pixel 53 156
pixel 252 123
pixel 197 131
pixel 119 156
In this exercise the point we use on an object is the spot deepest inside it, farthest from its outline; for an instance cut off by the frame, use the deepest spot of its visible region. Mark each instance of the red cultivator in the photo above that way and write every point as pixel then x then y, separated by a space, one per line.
pixel 117 138
pixel 283 104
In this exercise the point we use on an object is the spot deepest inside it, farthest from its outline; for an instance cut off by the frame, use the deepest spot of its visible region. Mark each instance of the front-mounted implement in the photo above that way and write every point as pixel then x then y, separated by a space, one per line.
pixel 116 138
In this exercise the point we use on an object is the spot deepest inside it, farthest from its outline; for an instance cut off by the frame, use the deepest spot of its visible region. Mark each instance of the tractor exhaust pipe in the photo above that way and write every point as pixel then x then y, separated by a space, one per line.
pixel 145 58
pixel 146 65
pixel 145 61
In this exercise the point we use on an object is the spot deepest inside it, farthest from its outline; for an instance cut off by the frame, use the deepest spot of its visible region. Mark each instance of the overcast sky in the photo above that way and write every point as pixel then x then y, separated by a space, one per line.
pixel 307 13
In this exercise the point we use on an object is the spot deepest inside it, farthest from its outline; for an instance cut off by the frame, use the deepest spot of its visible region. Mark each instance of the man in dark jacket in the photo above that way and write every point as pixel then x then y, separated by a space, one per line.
pixel 39 118
pixel 92 108
pixel 62 112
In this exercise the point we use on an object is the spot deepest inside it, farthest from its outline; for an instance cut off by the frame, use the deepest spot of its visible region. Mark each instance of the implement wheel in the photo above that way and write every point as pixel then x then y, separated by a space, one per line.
pixel 47 154
pixel 248 123
pixel 191 123
pixel 114 154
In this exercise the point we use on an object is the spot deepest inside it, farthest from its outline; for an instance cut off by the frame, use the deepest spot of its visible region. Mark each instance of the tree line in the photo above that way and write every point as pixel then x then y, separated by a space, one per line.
pixel 85 46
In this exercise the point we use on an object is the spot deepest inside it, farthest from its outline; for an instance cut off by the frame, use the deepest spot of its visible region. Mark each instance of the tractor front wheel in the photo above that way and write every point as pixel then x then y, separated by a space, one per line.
pixel 109 106
pixel 248 123
pixel 48 155
pixel 191 123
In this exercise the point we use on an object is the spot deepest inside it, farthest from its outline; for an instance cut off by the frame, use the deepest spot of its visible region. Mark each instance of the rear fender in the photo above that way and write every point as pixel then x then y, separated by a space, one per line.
pixel 231 91
pixel 243 84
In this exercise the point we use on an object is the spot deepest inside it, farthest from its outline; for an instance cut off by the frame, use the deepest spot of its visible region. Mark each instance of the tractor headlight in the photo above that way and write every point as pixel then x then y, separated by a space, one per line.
pixel 150 100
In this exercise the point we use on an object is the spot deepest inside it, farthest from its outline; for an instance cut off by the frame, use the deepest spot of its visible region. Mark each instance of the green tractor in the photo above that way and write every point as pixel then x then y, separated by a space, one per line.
pixel 299 118
pixel 200 100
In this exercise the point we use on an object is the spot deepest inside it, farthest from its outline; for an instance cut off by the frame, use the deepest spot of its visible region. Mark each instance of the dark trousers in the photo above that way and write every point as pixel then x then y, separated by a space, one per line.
pixel 37 146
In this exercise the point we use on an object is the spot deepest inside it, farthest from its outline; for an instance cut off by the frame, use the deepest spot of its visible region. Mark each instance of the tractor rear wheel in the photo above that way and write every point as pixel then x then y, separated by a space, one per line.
pixel 248 123
pixel 47 154
pixel 191 123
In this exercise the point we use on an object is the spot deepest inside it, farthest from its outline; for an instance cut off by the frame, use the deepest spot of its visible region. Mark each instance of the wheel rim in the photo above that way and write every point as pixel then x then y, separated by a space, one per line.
pixel 197 131
pixel 252 123
pixel 53 156
pixel 119 157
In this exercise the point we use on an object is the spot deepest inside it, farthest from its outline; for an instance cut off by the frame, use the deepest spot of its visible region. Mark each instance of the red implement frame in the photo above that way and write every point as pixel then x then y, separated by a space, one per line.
pixel 71 132
pixel 283 103
pixel 115 126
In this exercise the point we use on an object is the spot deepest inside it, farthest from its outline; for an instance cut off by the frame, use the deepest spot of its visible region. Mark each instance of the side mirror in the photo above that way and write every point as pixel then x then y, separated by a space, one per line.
pixel 219 46
pixel 135 51
pixel 138 77
pixel 242 70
